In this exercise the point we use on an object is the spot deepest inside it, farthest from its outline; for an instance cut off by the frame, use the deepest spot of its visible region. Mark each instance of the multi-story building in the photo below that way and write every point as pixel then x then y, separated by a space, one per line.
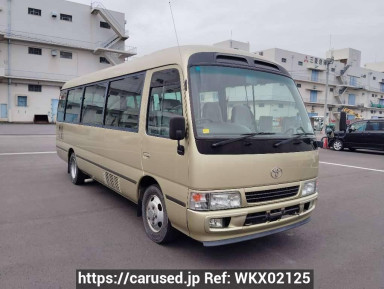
pixel 44 43
pixel 360 89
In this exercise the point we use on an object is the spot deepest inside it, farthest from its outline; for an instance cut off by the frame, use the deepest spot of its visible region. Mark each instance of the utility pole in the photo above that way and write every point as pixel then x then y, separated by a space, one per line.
pixel 327 61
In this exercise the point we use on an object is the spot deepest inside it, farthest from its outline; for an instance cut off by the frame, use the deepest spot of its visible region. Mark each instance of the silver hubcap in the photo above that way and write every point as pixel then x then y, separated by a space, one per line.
pixel 73 168
pixel 155 213
pixel 337 145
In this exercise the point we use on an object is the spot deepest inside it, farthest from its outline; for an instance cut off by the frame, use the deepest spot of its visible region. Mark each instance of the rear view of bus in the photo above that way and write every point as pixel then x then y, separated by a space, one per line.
pixel 214 143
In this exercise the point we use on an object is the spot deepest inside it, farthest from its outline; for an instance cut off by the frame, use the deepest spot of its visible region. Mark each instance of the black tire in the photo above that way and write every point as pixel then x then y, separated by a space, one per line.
pixel 338 145
pixel 77 176
pixel 352 149
pixel 155 218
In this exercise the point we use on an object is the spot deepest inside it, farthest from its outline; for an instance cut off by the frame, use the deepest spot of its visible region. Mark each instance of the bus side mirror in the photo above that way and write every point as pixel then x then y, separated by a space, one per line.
pixel 177 131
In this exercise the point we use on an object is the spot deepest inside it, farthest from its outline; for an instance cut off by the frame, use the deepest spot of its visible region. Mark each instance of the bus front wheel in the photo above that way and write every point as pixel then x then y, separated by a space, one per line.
pixel 155 217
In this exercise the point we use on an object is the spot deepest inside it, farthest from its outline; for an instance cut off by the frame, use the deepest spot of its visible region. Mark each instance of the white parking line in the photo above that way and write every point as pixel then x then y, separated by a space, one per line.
pixel 354 167
pixel 26 153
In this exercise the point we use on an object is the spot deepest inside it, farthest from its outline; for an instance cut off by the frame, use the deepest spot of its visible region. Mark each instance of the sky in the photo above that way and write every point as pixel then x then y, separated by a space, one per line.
pixel 307 26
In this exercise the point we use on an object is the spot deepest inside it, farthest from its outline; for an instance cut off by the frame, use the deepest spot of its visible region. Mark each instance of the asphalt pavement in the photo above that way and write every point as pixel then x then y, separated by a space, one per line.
pixel 49 227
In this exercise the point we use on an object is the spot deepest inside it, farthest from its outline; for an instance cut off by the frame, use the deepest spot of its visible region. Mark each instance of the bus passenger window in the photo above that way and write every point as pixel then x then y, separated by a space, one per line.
pixel 164 101
pixel 72 110
pixel 93 105
pixel 61 105
pixel 123 104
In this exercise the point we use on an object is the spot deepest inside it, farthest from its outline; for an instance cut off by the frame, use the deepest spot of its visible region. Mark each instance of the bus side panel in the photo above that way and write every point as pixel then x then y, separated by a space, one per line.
pixel 108 154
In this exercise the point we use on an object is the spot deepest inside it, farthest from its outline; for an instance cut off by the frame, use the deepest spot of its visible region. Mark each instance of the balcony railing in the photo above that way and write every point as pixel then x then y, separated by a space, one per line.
pixel 55 40
pixel 377 105
pixel 38 75
pixel 308 78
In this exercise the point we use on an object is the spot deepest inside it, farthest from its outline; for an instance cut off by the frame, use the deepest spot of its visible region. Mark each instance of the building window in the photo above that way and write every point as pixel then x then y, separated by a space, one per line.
pixel 333 69
pixel 35 51
pixel 315 75
pixel 313 96
pixel 351 99
pixel 22 101
pixel 104 60
pixel 105 25
pixel 284 60
pixel 33 11
pixel 34 87
pixel 352 80
pixel 64 54
pixel 382 86
pixel 298 85
pixel 261 53
pixel 66 17
pixel 331 89
pixel 261 104
pixel 320 61
pixel 374 78
pixel 300 63
pixel 281 105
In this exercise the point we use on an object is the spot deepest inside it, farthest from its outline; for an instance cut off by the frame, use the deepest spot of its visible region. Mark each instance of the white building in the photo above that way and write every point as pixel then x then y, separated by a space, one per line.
pixel 360 89
pixel 44 43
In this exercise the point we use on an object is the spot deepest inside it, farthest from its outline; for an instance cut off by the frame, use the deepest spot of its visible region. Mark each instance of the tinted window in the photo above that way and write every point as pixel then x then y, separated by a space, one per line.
pixel 72 111
pixel 124 99
pixel 93 105
pixel 61 106
pixel 375 126
pixel 164 101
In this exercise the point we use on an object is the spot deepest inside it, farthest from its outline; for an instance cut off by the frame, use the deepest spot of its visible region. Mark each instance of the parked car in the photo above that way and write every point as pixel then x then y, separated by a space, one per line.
pixel 364 134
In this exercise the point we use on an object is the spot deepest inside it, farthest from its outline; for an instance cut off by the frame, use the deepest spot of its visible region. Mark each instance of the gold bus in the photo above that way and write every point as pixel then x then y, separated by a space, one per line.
pixel 215 143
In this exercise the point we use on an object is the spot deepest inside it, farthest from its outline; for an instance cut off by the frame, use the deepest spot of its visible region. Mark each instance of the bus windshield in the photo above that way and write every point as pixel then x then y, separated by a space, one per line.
pixel 229 102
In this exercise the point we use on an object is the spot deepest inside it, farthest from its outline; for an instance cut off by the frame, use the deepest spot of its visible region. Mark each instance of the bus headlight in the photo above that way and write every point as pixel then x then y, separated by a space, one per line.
pixel 309 188
pixel 214 201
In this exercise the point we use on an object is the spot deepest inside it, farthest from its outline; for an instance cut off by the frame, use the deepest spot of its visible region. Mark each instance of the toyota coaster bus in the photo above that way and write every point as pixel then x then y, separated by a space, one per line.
pixel 215 143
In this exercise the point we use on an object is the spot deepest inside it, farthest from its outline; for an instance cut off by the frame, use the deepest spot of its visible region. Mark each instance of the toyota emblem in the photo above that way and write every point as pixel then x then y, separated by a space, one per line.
pixel 276 173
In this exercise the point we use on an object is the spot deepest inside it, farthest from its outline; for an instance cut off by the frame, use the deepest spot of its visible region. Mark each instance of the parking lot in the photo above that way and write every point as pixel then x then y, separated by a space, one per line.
pixel 49 227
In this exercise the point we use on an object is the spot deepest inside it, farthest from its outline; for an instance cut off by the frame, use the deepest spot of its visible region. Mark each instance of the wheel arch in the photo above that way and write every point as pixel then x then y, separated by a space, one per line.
pixel 144 183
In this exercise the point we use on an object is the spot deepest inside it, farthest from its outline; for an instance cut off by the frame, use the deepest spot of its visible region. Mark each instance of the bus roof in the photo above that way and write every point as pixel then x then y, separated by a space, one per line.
pixel 157 59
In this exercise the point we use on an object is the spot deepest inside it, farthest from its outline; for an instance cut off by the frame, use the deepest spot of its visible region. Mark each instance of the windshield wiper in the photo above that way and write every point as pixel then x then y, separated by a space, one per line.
pixel 296 136
pixel 243 136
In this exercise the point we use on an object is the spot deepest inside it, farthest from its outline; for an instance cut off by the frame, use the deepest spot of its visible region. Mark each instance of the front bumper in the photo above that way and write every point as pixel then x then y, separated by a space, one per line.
pixel 240 229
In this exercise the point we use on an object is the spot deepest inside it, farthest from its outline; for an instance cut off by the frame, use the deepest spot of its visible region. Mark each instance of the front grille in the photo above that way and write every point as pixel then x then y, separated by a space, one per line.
pixel 270 216
pixel 270 195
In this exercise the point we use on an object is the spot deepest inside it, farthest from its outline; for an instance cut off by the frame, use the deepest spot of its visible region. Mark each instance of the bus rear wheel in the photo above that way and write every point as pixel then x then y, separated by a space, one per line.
pixel 77 176
pixel 155 218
